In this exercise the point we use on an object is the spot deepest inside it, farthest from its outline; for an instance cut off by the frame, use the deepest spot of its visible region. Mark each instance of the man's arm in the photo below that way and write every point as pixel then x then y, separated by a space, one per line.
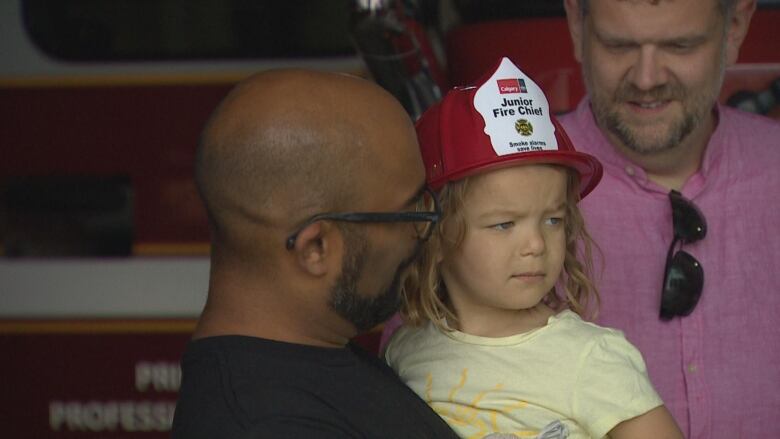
pixel 295 428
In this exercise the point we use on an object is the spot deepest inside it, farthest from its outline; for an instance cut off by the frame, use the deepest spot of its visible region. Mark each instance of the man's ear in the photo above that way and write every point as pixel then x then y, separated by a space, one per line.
pixel 737 28
pixel 317 247
pixel 575 22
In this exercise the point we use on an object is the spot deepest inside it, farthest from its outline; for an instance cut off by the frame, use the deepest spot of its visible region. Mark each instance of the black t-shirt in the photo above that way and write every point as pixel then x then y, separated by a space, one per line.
pixel 246 387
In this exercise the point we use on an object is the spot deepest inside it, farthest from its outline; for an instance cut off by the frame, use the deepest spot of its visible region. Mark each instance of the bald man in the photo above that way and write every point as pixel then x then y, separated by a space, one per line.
pixel 292 279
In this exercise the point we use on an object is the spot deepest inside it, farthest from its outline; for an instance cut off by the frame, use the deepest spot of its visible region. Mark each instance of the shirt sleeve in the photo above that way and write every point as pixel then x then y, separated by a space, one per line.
pixel 391 354
pixel 612 385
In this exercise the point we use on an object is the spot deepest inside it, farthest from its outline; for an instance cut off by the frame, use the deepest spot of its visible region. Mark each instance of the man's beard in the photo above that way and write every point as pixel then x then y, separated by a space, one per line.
pixel 363 311
pixel 696 105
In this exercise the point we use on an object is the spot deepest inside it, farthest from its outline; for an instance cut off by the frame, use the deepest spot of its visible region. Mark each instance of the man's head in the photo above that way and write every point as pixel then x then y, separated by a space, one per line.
pixel 725 6
pixel 285 146
pixel 654 68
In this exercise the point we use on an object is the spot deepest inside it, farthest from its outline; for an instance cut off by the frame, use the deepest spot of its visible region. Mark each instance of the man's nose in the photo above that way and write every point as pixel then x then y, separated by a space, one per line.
pixel 649 70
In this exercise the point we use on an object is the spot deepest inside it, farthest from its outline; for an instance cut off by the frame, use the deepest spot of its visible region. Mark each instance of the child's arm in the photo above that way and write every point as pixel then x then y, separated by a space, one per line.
pixel 655 424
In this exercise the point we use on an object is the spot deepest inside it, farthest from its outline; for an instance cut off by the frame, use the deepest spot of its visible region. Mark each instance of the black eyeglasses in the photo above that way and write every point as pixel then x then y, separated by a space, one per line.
pixel 684 277
pixel 422 217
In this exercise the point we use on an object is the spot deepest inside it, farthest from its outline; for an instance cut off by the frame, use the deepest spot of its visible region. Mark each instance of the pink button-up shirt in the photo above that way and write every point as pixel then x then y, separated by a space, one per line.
pixel 718 369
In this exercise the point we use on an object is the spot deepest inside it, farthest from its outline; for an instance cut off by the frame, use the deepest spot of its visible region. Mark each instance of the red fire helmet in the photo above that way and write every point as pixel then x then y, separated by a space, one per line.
pixel 502 121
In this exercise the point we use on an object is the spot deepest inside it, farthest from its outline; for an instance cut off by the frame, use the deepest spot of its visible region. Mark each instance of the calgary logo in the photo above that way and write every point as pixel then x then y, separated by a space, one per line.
pixel 511 85
pixel 524 127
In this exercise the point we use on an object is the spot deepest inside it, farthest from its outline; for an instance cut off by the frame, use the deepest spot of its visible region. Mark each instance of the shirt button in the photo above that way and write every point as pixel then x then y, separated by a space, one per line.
pixel 692 368
pixel 630 171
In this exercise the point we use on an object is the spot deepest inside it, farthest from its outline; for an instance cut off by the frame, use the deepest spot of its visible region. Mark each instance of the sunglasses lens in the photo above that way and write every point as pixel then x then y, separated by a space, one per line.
pixel 682 286
pixel 689 223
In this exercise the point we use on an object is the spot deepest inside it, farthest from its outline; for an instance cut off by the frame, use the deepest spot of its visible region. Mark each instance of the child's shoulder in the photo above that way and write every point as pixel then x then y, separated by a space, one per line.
pixel 593 343
pixel 574 328
pixel 413 338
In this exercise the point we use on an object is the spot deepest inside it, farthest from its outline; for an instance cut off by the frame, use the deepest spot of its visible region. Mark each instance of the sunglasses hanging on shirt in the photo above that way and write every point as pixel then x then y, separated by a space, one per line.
pixel 683 277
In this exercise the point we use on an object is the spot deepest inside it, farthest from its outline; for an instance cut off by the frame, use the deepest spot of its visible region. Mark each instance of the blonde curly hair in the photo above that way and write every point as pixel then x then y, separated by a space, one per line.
pixel 425 295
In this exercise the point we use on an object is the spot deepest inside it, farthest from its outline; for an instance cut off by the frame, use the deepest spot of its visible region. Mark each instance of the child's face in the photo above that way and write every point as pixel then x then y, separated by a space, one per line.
pixel 515 242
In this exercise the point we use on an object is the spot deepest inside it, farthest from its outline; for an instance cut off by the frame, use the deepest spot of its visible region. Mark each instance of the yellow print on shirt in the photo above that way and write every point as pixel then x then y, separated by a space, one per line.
pixel 466 415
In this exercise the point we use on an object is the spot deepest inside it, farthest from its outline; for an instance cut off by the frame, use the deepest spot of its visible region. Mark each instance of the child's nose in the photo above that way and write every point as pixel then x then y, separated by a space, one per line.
pixel 532 242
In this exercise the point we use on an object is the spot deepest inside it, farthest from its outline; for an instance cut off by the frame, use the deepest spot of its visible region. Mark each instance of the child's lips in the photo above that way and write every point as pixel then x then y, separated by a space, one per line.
pixel 529 275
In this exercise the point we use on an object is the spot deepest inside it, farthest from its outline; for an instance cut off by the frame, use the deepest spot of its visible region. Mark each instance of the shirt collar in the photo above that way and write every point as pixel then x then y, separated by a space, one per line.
pixel 598 145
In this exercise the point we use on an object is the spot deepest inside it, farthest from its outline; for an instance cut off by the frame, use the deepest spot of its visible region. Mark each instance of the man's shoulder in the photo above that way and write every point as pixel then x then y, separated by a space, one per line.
pixel 755 124
pixel 747 139
pixel 261 385
pixel 237 385
pixel 574 121
pixel 581 128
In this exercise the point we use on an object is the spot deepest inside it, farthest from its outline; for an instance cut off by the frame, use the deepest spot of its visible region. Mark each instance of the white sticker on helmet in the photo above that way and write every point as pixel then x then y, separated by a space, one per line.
pixel 515 111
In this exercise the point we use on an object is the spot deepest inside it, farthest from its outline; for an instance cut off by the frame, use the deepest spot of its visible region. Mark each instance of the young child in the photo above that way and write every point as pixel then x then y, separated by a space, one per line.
pixel 493 338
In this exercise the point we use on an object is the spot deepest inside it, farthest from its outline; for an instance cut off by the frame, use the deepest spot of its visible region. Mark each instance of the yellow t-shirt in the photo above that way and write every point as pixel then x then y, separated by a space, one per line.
pixel 568 379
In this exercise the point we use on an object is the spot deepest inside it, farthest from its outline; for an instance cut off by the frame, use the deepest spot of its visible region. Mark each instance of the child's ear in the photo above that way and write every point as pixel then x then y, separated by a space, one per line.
pixel 315 247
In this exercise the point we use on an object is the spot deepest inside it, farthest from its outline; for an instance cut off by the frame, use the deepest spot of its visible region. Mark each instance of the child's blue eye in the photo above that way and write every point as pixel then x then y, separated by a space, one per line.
pixel 554 221
pixel 503 226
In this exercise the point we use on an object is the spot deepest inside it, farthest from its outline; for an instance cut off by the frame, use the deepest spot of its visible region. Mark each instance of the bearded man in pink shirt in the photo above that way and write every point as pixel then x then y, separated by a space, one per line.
pixel 687 213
